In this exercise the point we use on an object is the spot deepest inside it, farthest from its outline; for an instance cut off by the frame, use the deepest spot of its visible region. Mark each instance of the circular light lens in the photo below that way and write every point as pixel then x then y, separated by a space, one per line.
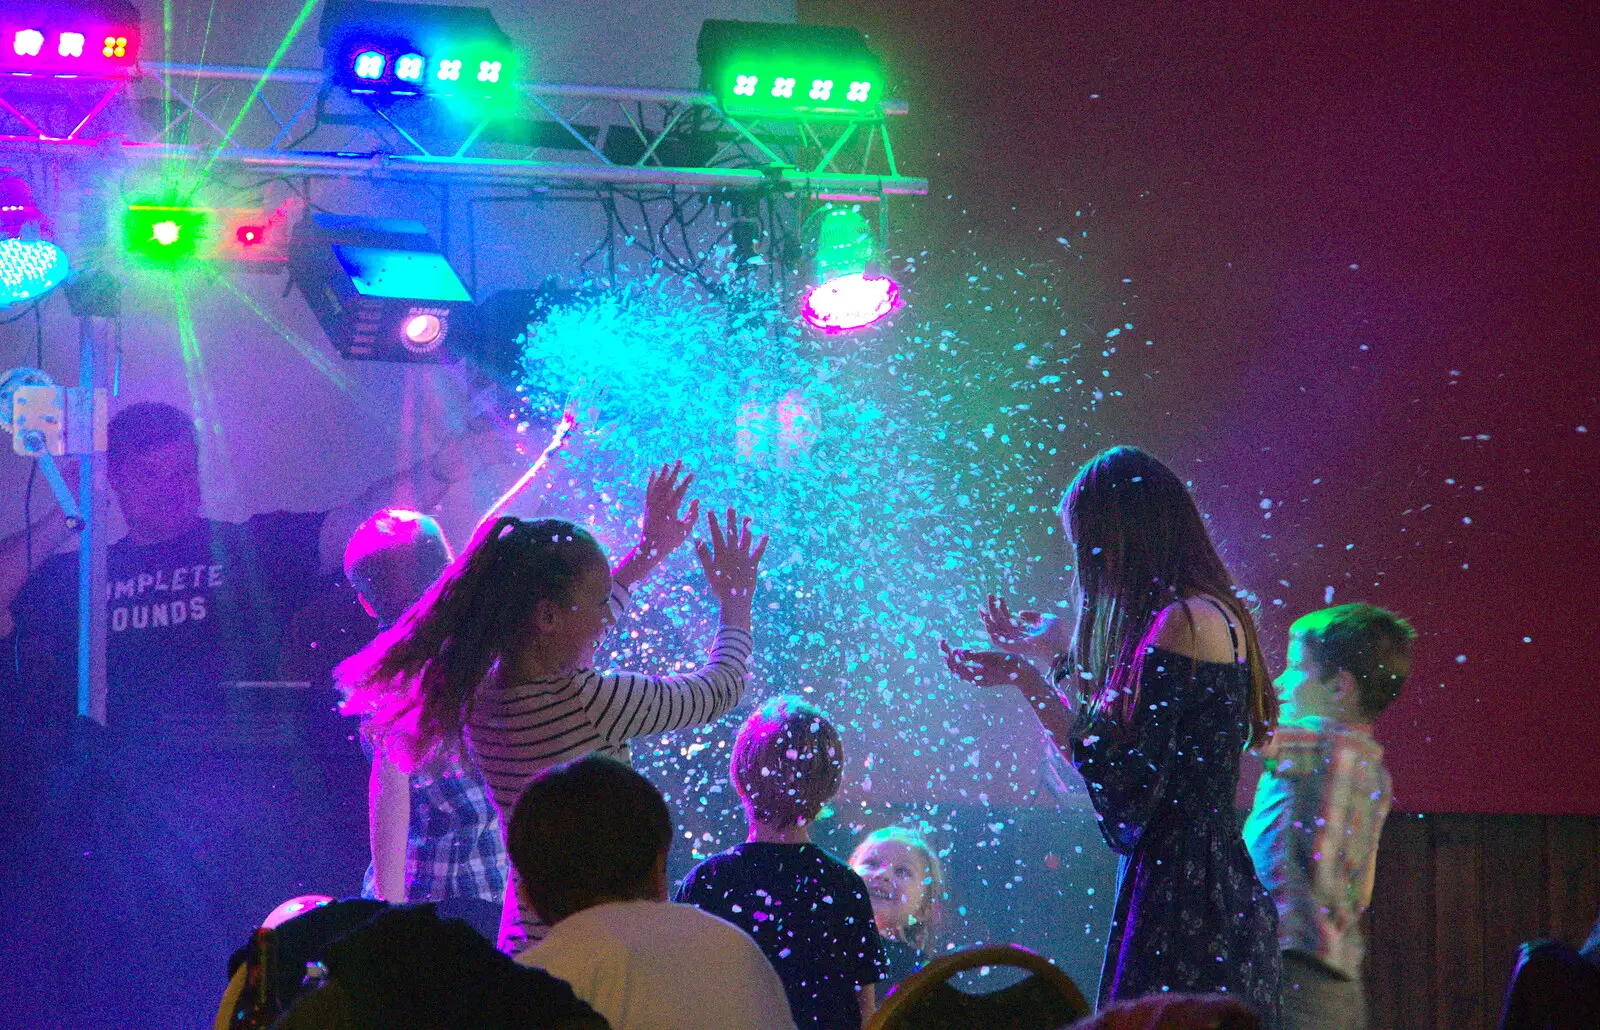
pixel 850 302
pixel 422 330
pixel 166 233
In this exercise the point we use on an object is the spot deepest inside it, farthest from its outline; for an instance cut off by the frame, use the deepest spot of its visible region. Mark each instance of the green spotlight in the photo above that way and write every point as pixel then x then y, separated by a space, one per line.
pixel 771 70
pixel 165 234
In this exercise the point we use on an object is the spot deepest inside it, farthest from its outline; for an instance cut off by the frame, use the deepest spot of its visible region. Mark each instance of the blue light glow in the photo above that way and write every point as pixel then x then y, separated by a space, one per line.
pixel 29 269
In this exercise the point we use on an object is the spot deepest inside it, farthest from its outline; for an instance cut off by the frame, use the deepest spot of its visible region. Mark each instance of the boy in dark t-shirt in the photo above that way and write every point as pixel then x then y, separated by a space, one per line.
pixel 809 912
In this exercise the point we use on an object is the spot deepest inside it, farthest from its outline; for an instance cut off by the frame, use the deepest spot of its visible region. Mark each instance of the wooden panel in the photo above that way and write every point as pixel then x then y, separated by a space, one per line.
pixel 1514 905
pixel 1573 878
pixel 1399 966
pixel 1454 897
pixel 1458 921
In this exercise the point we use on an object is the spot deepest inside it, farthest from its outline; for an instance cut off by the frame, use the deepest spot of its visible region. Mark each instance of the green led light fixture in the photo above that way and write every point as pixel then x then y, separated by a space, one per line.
pixel 165 234
pixel 762 69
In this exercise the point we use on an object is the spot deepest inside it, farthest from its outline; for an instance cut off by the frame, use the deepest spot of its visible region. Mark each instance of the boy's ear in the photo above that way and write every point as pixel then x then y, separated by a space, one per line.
pixel 1347 690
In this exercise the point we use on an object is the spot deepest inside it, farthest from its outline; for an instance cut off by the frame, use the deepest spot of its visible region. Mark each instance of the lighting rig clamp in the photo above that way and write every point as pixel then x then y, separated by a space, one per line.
pixel 47 421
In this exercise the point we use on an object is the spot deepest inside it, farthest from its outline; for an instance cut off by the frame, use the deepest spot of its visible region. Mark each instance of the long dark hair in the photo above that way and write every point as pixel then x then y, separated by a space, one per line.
pixel 418 680
pixel 1141 545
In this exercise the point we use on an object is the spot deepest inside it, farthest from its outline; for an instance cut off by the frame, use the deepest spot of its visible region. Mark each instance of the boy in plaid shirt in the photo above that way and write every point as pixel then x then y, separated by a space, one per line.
pixel 1319 807
pixel 435 836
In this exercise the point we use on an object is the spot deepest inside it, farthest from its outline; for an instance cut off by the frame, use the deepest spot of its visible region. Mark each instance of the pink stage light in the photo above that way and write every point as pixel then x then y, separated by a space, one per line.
pixel 850 302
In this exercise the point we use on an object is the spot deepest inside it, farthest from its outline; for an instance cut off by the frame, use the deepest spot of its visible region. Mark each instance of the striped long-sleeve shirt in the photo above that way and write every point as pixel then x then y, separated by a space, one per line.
pixel 521 729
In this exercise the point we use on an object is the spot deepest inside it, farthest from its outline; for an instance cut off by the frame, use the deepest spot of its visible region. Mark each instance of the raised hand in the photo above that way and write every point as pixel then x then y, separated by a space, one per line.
pixel 663 531
pixel 990 668
pixel 1028 634
pixel 731 561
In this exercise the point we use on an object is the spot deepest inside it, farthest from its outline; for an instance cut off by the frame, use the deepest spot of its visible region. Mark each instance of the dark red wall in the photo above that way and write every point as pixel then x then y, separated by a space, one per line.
pixel 1363 241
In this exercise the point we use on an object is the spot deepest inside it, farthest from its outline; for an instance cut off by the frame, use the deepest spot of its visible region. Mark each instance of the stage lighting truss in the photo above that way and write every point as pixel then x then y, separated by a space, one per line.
pixel 549 137
pixel 675 172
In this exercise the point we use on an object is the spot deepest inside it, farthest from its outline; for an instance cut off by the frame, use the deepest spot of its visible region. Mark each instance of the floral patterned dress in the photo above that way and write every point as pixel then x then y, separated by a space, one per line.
pixel 1190 914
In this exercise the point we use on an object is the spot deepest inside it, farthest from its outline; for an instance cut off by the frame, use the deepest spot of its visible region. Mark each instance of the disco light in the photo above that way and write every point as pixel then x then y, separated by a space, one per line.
pixel 773 70
pixel 387 50
pixel 379 287
pixel 168 235
pixel 30 265
pixel 71 39
pixel 29 269
pixel 843 253
pixel 173 235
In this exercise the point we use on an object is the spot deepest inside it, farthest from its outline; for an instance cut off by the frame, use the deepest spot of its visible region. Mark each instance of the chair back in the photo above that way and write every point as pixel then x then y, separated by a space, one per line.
pixel 1046 1000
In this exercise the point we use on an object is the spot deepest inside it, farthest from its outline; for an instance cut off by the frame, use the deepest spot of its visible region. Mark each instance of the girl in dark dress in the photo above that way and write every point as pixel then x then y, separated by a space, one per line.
pixel 1156 694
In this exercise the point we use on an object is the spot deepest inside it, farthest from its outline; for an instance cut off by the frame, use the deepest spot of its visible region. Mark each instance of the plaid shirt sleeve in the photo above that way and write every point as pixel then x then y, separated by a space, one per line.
pixel 455 848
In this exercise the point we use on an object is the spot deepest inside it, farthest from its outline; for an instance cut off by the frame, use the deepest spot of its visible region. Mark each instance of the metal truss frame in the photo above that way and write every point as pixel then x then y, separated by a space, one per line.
pixel 294 123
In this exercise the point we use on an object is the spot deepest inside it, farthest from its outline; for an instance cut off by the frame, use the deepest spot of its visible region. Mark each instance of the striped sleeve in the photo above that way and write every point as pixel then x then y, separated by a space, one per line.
pixel 625 705
pixel 619 601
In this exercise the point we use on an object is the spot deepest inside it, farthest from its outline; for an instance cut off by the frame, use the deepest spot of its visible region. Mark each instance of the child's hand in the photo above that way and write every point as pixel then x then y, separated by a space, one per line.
pixel 990 668
pixel 663 531
pixel 1028 634
pixel 731 560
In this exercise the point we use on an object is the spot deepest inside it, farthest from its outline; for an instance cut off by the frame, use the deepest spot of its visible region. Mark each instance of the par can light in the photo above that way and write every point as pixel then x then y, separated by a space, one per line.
pixel 842 252
pixel 29 269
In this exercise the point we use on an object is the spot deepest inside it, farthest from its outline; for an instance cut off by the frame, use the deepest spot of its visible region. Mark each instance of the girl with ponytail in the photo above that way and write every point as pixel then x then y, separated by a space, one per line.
pixel 496 658
pixel 1155 696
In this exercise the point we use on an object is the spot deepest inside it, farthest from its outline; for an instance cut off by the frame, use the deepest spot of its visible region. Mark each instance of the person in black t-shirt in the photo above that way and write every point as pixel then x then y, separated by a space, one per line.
pixel 191 602
pixel 198 807
pixel 809 912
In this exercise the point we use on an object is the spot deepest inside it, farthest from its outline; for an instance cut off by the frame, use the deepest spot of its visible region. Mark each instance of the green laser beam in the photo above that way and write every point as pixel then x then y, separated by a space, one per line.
pixel 313 355
pixel 168 165
pixel 255 91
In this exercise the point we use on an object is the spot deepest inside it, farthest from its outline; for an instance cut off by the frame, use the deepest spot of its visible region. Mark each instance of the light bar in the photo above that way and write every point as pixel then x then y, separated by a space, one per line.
pixel 91 39
pixel 174 234
pixel 774 70
pixel 398 50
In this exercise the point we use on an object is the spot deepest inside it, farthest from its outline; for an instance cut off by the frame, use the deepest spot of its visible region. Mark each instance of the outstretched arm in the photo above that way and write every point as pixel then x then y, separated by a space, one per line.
pixel 49 533
pixel 422 487
pixel 627 705
pixel 999 669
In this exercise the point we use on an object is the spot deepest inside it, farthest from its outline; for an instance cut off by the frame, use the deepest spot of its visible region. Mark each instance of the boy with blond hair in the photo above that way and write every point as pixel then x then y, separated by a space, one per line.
pixel 1321 802
pixel 810 912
